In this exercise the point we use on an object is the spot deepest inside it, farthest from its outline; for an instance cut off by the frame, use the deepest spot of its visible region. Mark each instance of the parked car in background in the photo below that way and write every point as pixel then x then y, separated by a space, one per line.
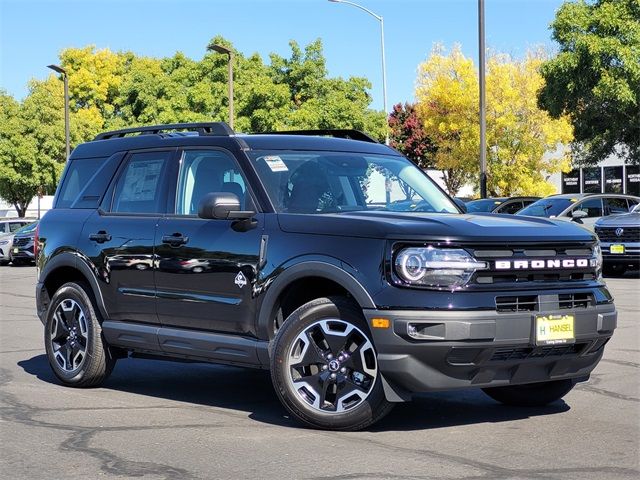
pixel 582 208
pixel 7 228
pixel 500 205
pixel 23 246
pixel 620 240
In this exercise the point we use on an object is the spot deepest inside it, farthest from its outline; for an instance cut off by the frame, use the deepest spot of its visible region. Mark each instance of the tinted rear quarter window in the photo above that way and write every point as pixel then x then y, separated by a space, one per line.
pixel 79 172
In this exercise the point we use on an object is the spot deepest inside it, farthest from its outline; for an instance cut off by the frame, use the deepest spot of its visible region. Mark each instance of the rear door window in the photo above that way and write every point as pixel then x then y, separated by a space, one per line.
pixel 141 185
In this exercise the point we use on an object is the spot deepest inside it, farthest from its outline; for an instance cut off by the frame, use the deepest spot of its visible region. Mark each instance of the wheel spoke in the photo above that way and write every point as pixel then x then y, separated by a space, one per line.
pixel 335 340
pixel 349 391
pixel 58 328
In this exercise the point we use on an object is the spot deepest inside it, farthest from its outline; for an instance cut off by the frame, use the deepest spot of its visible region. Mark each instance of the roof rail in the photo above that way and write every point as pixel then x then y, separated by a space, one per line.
pixel 337 133
pixel 210 128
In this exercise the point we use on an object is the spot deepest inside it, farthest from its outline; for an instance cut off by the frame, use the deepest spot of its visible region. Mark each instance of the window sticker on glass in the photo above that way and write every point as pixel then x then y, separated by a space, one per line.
pixel 275 163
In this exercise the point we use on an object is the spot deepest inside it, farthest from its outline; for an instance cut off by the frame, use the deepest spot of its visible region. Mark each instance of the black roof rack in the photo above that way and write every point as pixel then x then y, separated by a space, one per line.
pixel 210 128
pixel 337 133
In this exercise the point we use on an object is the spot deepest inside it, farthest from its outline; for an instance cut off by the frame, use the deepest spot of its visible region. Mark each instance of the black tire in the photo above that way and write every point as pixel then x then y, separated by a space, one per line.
pixel 77 351
pixel 531 395
pixel 353 396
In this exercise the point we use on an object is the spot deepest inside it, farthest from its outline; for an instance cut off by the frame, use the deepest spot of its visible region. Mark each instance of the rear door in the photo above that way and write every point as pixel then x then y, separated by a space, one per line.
pixel 206 269
pixel 120 237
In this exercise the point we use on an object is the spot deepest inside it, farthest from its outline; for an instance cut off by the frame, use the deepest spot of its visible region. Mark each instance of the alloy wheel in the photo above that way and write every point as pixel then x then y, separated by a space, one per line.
pixel 69 335
pixel 332 366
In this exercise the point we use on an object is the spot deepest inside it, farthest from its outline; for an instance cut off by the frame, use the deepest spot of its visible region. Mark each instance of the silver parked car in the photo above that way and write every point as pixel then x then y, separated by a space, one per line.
pixel 582 208
pixel 620 240
pixel 7 229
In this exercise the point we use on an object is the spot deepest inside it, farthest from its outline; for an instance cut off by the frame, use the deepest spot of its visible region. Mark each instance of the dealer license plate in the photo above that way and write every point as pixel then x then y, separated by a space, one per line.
pixel 16 250
pixel 554 329
pixel 616 248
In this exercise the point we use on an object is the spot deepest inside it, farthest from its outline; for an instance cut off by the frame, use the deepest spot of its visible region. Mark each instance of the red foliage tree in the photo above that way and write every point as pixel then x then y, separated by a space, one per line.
pixel 408 137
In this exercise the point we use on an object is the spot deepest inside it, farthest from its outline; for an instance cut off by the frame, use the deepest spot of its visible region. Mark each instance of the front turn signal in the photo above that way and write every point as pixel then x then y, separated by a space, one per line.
pixel 380 323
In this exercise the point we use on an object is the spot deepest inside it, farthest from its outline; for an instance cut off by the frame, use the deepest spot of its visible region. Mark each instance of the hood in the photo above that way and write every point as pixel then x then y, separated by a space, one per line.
pixel 435 226
pixel 622 219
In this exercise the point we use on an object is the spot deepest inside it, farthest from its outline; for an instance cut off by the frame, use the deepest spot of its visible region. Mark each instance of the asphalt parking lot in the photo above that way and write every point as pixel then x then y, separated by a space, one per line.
pixel 164 420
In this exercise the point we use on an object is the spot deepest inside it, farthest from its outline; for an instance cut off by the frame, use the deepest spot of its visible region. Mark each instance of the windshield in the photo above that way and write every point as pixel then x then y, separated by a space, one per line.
pixel 484 205
pixel 330 182
pixel 546 207
pixel 27 228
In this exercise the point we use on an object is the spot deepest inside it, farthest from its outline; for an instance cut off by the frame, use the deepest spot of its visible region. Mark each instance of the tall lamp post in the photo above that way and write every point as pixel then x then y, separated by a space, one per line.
pixel 229 53
pixel 482 88
pixel 65 79
pixel 384 66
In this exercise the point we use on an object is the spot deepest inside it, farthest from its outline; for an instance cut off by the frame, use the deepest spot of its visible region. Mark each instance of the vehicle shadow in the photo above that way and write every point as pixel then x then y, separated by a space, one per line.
pixel 251 391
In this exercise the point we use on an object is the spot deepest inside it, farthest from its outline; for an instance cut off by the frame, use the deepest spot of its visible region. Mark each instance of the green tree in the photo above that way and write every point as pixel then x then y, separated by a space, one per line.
pixel 595 78
pixel 30 146
pixel 111 90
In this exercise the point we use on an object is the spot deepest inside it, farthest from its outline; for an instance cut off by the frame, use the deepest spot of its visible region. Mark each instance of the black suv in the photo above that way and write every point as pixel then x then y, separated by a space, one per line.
pixel 326 257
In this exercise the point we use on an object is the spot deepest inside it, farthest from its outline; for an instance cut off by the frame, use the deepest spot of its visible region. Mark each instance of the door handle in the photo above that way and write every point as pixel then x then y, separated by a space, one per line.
pixel 175 240
pixel 100 237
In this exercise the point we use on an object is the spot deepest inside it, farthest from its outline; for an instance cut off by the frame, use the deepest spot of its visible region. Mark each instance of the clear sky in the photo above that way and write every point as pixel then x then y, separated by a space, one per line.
pixel 33 32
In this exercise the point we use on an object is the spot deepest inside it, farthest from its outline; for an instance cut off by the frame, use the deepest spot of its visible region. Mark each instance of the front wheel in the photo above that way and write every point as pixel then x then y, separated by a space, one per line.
pixel 324 367
pixel 531 395
pixel 77 352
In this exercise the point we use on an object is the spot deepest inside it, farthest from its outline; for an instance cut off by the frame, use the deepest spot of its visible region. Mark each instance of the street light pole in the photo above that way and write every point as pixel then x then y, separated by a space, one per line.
pixel 229 53
pixel 65 79
pixel 482 87
pixel 384 66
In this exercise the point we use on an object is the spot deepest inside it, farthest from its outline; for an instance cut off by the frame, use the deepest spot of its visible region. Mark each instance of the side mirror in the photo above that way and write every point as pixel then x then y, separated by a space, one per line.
pixel 222 206
pixel 461 205
pixel 578 214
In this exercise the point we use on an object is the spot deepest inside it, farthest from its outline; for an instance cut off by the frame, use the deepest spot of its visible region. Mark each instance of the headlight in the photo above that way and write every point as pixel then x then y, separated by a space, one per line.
pixel 4 242
pixel 436 267
pixel 597 259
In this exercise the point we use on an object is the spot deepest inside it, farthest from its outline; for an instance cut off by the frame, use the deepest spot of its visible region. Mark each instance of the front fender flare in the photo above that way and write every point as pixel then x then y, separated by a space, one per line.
pixel 75 261
pixel 309 268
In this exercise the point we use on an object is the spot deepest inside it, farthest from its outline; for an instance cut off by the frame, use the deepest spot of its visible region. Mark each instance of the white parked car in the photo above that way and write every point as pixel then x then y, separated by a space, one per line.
pixel 7 228
pixel 582 208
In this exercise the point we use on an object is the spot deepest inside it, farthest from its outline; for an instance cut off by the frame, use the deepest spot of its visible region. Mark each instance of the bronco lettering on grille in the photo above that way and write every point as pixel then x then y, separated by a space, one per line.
pixel 545 264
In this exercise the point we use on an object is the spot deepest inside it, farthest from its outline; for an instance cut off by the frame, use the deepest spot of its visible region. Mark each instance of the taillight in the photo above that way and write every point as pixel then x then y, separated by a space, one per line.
pixel 36 239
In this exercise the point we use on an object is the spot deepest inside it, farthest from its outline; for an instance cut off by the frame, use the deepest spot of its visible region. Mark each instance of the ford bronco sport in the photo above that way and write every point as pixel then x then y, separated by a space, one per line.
pixel 323 256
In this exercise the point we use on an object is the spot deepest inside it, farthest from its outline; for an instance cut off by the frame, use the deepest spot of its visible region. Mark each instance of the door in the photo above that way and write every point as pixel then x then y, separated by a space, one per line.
pixel 206 269
pixel 120 240
pixel 593 209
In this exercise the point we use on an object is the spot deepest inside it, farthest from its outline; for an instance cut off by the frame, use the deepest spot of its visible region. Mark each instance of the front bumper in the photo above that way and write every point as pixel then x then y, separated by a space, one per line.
pixel 631 255
pixel 462 349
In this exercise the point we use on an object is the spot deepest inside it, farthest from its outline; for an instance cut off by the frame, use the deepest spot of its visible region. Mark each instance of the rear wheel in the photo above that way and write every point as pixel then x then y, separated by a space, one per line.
pixel 531 395
pixel 77 351
pixel 324 367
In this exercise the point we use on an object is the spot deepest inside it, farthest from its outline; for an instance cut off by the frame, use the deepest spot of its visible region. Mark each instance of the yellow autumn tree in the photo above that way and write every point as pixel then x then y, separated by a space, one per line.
pixel 524 144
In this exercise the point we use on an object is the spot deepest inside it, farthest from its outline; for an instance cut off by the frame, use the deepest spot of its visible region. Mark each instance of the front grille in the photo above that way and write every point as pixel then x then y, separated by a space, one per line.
pixel 543 264
pixel 21 242
pixel 533 303
pixel 628 234
pixel 525 303
pixel 523 353
pixel 575 300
